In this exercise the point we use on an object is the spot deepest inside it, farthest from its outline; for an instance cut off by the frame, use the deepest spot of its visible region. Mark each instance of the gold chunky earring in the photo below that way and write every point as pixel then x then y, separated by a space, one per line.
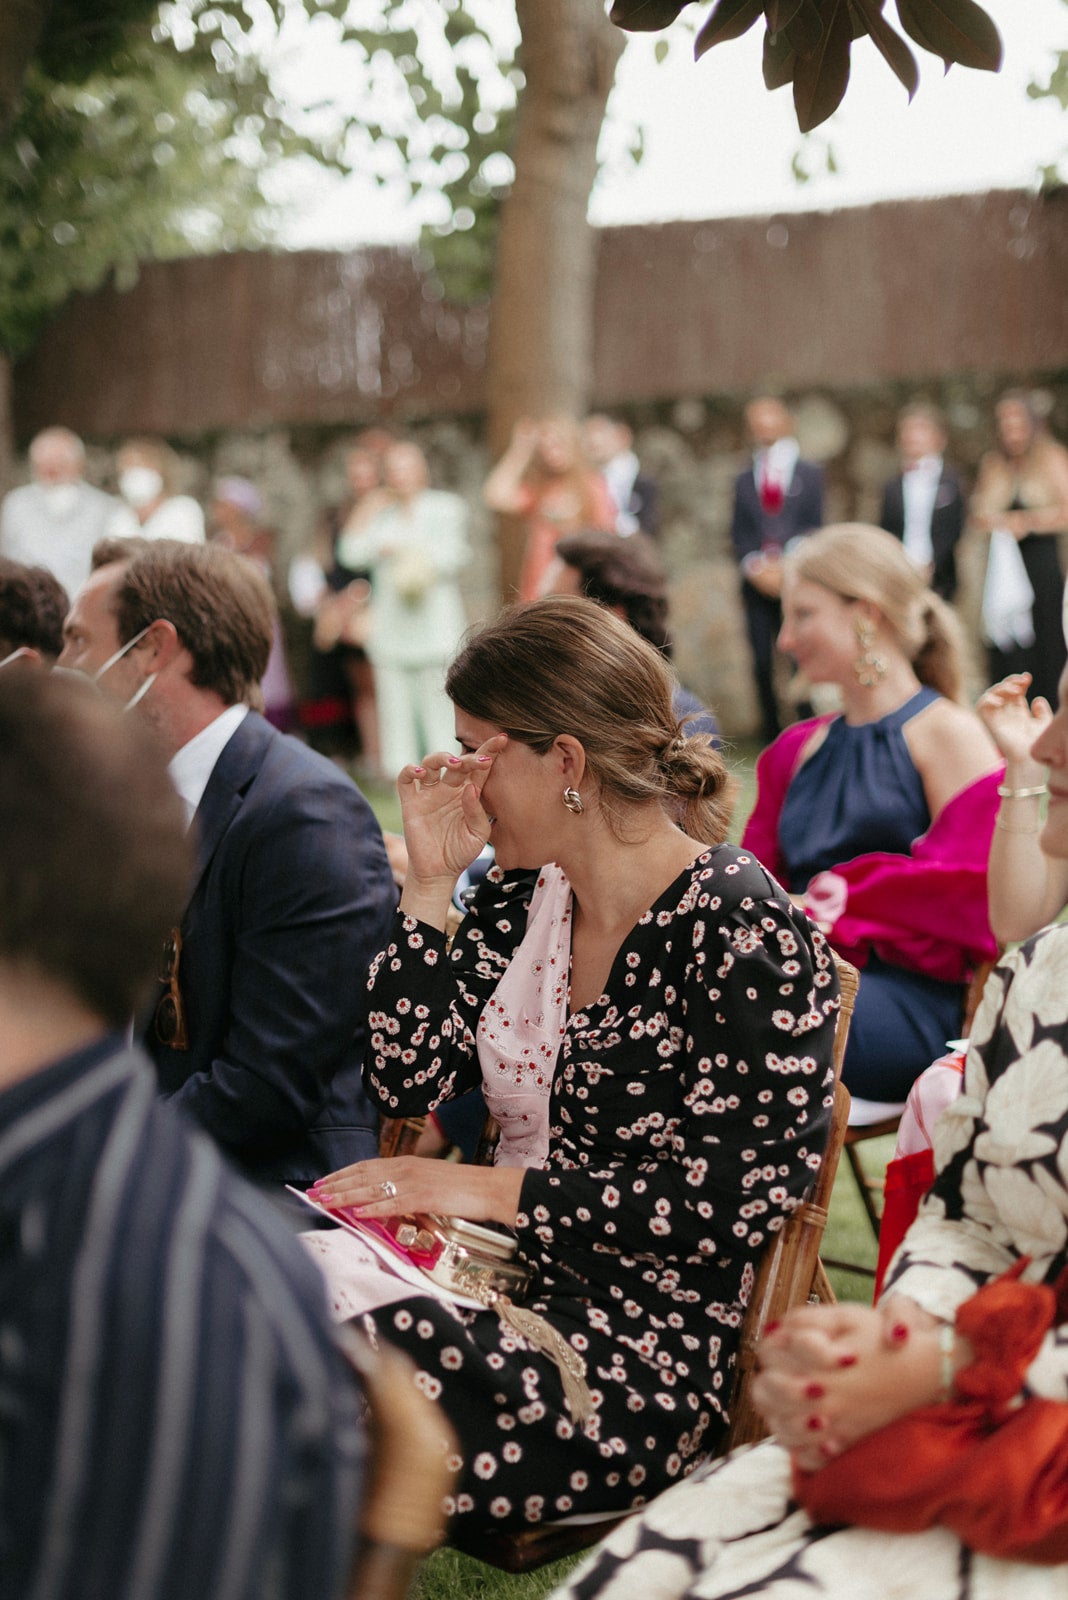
pixel 870 666
pixel 573 801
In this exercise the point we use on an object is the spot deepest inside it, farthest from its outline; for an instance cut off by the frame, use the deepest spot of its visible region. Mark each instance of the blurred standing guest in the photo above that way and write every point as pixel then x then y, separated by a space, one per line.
pixel 55 520
pixel 148 477
pixel 776 499
pixel 341 690
pixel 258 1029
pixel 32 606
pixel 609 445
pixel 414 545
pixel 545 478
pixel 924 505
pixel 628 577
pixel 238 523
pixel 177 1421
pixel 1021 500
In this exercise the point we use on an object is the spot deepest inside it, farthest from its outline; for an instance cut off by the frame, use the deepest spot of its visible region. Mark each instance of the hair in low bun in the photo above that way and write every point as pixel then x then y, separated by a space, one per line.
pixel 567 665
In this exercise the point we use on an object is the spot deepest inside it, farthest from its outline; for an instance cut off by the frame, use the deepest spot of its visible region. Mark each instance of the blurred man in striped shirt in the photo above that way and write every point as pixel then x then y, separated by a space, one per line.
pixel 174 1419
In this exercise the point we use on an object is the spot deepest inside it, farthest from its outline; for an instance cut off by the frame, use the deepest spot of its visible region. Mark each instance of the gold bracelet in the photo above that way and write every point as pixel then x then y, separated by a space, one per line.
pixel 1031 827
pixel 1032 792
pixel 947 1347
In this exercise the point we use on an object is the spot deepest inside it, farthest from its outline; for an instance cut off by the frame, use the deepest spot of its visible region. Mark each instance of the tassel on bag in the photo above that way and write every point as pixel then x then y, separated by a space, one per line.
pixel 544 1337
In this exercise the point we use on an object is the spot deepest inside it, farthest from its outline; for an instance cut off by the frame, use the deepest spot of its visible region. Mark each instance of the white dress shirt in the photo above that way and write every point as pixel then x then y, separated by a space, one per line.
pixel 191 767
pixel 777 463
pixel 919 487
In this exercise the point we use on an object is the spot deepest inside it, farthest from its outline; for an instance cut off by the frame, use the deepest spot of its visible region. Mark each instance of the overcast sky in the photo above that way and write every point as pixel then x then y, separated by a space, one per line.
pixel 717 144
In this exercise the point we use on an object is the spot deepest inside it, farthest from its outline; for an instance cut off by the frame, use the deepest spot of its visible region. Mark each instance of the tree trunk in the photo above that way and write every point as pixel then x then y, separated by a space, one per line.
pixel 541 331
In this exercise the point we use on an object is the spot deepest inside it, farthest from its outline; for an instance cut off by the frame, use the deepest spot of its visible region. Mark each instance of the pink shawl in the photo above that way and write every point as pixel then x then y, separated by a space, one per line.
pixel 522 1025
pixel 926 911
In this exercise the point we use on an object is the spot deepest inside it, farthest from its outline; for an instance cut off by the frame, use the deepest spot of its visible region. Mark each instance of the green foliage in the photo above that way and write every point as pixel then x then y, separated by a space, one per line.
pixel 447 80
pixel 1054 88
pixel 152 147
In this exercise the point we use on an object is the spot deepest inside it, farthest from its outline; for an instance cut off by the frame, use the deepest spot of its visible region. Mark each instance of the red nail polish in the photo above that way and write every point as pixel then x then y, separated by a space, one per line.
pixel 814 1424
pixel 899 1332
pixel 770 1327
pixel 814 1391
pixel 847 1361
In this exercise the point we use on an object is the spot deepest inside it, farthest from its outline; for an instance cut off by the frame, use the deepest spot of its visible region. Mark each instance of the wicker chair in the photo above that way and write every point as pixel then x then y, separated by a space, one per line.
pixel 403 1515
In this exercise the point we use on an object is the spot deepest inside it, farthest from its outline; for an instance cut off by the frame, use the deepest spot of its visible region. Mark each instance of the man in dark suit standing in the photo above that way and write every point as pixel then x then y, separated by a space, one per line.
pixel 776 499
pixel 924 505
pixel 258 1029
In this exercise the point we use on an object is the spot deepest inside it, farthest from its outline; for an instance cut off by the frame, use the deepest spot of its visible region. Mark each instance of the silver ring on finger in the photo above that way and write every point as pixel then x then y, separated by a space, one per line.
pixel 389 1189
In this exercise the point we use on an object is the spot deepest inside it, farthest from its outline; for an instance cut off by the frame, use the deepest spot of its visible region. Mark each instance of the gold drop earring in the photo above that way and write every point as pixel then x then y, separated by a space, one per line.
pixel 870 666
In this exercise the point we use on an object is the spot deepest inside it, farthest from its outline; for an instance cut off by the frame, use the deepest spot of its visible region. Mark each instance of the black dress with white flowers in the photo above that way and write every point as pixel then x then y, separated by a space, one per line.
pixel 689 1110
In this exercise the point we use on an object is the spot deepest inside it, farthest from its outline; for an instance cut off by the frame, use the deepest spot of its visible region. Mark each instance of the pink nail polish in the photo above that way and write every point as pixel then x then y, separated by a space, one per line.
pixel 899 1332
pixel 814 1424
pixel 418 769
pixel 814 1391
pixel 847 1361
pixel 454 761
pixel 485 759
pixel 770 1327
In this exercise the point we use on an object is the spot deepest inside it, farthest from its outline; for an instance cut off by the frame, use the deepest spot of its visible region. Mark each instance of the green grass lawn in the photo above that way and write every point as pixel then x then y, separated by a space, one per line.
pixel 448 1575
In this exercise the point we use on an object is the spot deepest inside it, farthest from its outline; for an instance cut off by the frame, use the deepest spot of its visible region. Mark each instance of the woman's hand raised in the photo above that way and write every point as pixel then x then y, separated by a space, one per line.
pixel 445 825
pixel 1015 725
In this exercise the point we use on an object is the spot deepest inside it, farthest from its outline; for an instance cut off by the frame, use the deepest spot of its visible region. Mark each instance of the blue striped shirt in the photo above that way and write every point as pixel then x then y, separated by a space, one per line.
pixel 175 1421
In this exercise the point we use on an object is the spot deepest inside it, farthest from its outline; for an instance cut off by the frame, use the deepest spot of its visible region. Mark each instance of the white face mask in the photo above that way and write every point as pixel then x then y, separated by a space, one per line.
pixel 60 498
pixel 140 693
pixel 140 485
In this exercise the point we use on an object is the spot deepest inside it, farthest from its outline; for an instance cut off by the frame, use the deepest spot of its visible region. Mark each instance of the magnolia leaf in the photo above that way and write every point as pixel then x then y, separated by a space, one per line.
pixel 957 30
pixel 890 45
pixel 645 16
pixel 779 61
pixel 821 78
pixel 805 28
pixel 729 20
pixel 780 12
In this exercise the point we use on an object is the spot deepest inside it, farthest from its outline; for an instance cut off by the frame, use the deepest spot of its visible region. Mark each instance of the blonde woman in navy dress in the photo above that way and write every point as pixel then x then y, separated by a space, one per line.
pixel 675 1011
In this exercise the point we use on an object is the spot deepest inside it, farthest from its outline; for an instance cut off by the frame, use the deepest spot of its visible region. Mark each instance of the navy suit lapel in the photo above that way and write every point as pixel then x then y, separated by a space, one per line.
pixel 222 799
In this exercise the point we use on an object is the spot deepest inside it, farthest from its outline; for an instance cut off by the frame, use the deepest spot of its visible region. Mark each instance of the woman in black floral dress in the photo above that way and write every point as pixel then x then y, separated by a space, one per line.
pixel 652 1020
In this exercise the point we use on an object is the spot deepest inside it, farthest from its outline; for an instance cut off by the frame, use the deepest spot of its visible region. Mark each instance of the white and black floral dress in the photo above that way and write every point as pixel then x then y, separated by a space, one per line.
pixel 688 1112
pixel 1001 1151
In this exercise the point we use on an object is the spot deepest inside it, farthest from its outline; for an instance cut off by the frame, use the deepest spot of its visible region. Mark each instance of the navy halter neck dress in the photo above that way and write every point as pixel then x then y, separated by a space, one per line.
pixel 860 792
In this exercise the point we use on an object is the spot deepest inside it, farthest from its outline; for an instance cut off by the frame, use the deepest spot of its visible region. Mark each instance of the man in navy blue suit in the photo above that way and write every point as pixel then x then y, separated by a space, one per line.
pixel 258 1028
pixel 776 499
